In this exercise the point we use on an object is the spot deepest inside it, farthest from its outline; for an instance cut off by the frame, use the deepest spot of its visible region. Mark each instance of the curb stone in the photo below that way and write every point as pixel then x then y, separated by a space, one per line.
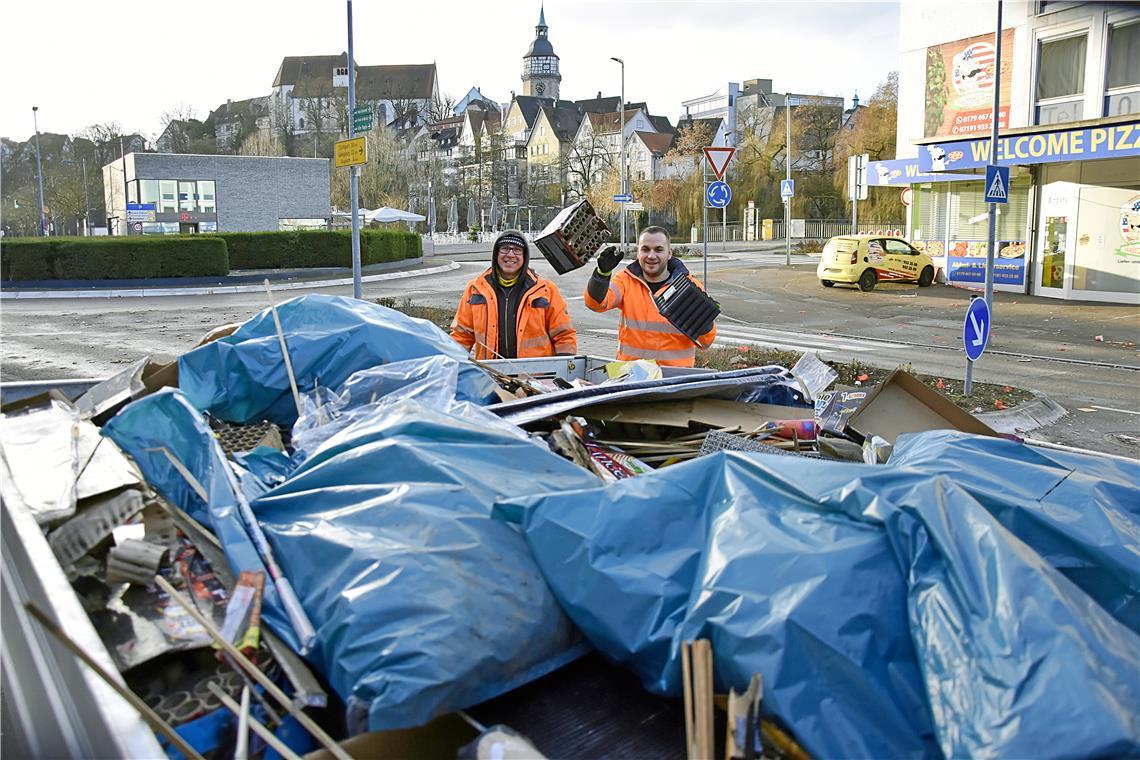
pixel 222 289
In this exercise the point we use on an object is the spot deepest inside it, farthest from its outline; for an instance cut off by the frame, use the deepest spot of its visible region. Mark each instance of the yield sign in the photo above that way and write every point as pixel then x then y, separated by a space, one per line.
pixel 718 159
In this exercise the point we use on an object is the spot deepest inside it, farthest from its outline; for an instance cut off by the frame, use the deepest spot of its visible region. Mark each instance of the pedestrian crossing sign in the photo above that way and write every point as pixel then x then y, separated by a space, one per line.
pixel 997 184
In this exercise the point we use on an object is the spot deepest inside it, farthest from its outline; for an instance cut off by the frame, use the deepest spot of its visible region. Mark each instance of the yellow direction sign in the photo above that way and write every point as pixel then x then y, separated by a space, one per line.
pixel 350 152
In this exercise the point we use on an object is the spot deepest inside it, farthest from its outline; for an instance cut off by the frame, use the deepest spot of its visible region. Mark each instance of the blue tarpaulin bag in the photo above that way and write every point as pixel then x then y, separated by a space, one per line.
pixel 872 599
pixel 422 603
pixel 242 377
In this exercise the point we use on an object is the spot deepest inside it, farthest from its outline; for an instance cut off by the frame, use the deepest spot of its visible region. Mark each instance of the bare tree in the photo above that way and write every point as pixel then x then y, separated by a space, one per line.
pixel 440 108
pixel 872 131
pixel 588 161
pixel 262 143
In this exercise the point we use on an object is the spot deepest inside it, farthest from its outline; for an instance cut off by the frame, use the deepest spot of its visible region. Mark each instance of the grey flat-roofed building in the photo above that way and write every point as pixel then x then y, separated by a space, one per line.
pixel 201 193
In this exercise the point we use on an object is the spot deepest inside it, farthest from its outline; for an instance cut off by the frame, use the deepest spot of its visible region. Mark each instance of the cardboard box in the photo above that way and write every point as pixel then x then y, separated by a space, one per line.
pixel 903 404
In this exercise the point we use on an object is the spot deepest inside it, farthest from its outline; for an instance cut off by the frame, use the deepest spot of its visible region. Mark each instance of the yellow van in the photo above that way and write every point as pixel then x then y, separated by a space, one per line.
pixel 865 260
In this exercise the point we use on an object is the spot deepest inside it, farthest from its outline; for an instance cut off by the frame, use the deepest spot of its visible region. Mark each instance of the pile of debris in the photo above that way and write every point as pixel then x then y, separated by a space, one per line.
pixel 327 530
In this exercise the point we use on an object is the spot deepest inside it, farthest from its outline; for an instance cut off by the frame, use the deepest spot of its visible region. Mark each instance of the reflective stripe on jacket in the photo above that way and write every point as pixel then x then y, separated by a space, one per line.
pixel 643 333
pixel 542 327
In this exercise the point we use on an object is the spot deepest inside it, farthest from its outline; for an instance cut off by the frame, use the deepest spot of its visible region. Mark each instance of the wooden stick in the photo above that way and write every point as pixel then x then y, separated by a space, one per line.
pixel 241 747
pixel 787 744
pixel 262 679
pixel 704 686
pixel 284 348
pixel 269 737
pixel 687 683
pixel 150 716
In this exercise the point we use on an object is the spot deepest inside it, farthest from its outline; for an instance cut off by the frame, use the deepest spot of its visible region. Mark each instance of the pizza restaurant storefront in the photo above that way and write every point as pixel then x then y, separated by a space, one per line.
pixel 1071 228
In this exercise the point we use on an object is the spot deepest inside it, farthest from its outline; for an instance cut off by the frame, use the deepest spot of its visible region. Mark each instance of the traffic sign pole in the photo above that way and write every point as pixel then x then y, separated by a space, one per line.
pixel 975 336
pixel 352 189
pixel 705 234
pixel 788 168
pixel 993 161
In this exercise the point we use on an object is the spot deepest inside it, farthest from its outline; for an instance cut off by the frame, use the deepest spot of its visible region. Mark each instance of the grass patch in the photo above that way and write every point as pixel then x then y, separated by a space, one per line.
pixel 986 396
pixel 440 317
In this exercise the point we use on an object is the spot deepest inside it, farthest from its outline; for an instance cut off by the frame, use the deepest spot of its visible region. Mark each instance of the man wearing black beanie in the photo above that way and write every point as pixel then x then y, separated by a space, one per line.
pixel 509 312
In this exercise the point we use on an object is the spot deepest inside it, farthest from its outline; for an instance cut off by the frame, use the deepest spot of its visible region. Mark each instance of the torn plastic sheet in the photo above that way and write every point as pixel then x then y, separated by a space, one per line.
pixel 166 422
pixel 1080 512
pixel 787 566
pixel 39 460
pixel 432 382
pixel 765 385
pixel 242 377
pixel 423 604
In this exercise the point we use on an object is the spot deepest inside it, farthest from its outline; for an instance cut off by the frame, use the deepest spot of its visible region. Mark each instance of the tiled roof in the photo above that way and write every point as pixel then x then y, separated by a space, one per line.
pixel 657 142
pixel 414 80
pixel 661 123
pixel 312 76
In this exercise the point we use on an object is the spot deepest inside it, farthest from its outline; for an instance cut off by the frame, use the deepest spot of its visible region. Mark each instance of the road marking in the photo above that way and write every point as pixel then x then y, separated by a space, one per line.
pixel 822 338
pixel 778 339
pixel 1111 409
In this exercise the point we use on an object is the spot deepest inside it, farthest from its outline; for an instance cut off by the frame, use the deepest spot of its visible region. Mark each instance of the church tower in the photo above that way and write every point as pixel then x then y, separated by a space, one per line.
pixel 540 75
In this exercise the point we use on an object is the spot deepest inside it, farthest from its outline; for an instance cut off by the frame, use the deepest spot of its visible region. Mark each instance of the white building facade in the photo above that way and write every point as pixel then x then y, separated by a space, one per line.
pixel 1069 120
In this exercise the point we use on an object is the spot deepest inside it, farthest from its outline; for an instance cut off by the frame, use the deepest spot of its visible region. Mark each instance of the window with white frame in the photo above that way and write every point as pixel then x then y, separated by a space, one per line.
pixel 1122 75
pixel 1061 79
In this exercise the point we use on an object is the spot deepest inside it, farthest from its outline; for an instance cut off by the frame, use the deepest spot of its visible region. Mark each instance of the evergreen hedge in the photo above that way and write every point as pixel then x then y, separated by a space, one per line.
pixel 113 258
pixel 304 249
pixel 207 255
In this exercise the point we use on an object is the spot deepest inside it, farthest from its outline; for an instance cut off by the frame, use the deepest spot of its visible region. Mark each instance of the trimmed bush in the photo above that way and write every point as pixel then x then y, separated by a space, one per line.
pixel 303 249
pixel 113 258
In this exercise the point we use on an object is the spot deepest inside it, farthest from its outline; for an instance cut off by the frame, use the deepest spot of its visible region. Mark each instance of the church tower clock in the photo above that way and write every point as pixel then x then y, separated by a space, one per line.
pixel 540 76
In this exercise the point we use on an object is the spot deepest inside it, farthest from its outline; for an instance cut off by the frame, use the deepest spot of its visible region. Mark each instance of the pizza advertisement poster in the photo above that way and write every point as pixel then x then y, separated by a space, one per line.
pixel 960 80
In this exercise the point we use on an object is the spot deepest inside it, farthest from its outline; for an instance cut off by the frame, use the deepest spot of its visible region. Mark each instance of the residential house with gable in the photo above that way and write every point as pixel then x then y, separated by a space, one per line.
pixel 236 120
pixel 310 93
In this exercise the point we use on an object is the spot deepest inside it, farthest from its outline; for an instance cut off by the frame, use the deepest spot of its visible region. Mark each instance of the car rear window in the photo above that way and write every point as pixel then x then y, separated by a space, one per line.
pixel 840 245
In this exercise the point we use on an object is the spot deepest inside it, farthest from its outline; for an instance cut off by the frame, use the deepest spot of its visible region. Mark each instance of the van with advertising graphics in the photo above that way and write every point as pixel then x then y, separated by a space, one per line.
pixel 866 260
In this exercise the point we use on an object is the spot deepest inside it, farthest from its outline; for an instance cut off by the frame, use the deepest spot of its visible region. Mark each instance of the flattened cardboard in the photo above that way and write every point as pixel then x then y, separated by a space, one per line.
pixel 681 413
pixel 903 404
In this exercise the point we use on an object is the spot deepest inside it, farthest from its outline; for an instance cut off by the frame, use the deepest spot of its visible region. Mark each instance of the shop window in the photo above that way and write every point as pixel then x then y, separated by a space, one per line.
pixel 206 203
pixel 148 191
pixel 186 199
pixel 133 191
pixel 168 190
pixel 1122 85
pixel 1061 80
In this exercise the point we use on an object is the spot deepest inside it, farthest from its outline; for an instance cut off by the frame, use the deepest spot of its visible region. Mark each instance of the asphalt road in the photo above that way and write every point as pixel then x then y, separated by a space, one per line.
pixel 1039 344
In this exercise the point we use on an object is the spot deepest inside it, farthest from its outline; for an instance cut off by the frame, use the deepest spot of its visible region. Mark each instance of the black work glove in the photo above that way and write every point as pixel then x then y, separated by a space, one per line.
pixel 608 259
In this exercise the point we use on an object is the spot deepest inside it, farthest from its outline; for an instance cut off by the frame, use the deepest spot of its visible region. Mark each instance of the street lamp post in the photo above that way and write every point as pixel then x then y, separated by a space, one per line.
pixel 39 172
pixel 621 140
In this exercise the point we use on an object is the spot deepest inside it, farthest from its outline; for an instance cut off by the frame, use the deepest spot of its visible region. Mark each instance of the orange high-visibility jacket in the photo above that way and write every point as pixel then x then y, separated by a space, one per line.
pixel 542 326
pixel 643 333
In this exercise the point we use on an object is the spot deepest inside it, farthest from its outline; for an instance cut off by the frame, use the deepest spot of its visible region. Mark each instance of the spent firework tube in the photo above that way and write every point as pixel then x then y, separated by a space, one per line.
pixel 803 430
pixel 611 464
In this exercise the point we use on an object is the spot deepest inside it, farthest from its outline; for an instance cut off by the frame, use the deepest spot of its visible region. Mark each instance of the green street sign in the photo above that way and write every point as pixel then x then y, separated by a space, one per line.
pixel 361 111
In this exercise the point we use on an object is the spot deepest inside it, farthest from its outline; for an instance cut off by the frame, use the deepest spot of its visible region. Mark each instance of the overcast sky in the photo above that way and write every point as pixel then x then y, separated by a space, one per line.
pixel 129 61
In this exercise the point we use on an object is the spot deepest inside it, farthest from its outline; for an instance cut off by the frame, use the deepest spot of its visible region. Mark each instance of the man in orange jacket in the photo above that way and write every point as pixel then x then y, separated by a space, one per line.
pixel 643 333
pixel 509 312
